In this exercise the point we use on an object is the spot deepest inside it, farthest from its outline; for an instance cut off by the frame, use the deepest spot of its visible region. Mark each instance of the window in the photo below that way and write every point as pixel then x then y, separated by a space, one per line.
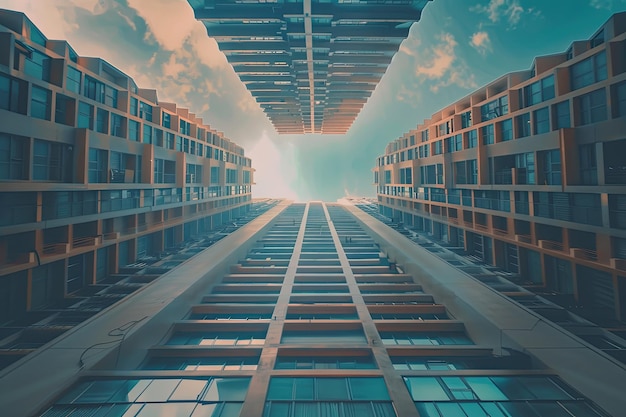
pixel 246 363
pixel 169 140
pixel 40 103
pixel 331 397
pixel 472 139
pixel 525 165
pixel 523 125
pixel 589 71
pixel 167 120
pixel 145 111
pixel 466 172
pixel 12 94
pixel 147 133
pixel 541 119
pixel 215 175
pixel 506 130
pixel 97 168
pixel 102 120
pixel 588 164
pixel 180 397
pixel 164 171
pixel 328 336
pixel 185 127
pixel 37 65
pixel 194 173
pixel 133 130
pixel 592 107
pixel 85 115
pixel 539 91
pixel 618 94
pixel 64 110
pixel 488 135
pixel 424 339
pixel 325 362
pixel 406 176
pixel 118 125
pixel 14 160
pixel 51 161
pixel 133 106
pixel 466 119
pixel 431 174
pixel 218 339
pixel 561 117
pixel 179 143
pixel 552 167
pixel 424 135
pixel 438 148
pixel 495 108
pixel 72 81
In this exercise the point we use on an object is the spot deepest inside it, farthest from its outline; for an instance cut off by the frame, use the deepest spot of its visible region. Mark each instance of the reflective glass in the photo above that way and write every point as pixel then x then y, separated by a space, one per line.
pixel 188 390
pixel 425 389
pixel 227 389
pixel 368 389
pixel 332 389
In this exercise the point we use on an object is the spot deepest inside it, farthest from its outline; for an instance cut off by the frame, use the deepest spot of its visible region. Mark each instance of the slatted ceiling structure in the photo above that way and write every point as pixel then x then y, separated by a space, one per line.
pixel 311 65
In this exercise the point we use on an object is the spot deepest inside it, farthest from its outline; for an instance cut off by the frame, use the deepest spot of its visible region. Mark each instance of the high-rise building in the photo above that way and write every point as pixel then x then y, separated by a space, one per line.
pixel 315 310
pixel 95 174
pixel 311 65
pixel 528 173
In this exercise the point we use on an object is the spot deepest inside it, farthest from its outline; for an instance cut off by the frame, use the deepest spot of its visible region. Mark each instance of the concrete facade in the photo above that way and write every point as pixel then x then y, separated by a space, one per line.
pixel 302 312
pixel 96 175
pixel 311 65
pixel 527 174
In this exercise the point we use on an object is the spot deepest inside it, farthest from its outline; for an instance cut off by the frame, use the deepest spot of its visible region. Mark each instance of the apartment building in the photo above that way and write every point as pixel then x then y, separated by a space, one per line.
pixel 528 173
pixel 311 65
pixel 95 174
pixel 315 310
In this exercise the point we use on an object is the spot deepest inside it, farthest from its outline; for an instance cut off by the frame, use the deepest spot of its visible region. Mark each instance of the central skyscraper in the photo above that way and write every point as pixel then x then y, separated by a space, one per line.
pixel 311 65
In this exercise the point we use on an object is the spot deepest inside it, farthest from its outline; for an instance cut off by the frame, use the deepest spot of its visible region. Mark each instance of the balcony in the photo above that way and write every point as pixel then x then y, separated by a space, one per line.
pixel 504 177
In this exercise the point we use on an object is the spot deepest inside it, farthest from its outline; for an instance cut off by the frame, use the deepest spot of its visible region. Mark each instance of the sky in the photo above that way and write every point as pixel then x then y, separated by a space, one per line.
pixel 455 48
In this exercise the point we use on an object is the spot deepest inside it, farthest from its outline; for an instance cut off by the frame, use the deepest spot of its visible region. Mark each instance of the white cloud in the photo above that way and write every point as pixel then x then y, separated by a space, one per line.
pixel 606 4
pixel 444 56
pixel 443 68
pixel 509 10
pixel 481 42
pixel 169 21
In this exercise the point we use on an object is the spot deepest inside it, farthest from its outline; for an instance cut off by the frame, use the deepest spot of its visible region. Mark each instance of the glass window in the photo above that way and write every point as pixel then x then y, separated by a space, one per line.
pixel 133 106
pixel 102 120
pixel 147 133
pixel 592 107
pixel 72 82
pixel 506 129
pixel 561 115
pixel 37 65
pixel 40 103
pixel 589 71
pixel 332 389
pixel 133 130
pixel 425 389
pixel 12 94
pixel 523 125
pixel 472 139
pixel 542 120
pixel 368 389
pixel 118 124
pixel 13 157
pixel 85 115
pixel 488 135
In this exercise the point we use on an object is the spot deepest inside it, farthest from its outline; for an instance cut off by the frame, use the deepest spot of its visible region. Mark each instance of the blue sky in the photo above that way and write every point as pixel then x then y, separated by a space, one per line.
pixel 458 46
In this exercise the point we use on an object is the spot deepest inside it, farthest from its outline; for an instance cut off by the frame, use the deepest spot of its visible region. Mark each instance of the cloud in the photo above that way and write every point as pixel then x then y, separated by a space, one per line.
pixel 443 67
pixel 481 42
pixel 444 56
pixel 169 21
pixel 509 10
pixel 606 4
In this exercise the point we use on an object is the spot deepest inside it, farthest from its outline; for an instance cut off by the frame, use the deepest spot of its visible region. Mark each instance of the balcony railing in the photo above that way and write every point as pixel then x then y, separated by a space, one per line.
pixel 582 253
pixel 55 248
pixel 551 245
pixel 86 241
